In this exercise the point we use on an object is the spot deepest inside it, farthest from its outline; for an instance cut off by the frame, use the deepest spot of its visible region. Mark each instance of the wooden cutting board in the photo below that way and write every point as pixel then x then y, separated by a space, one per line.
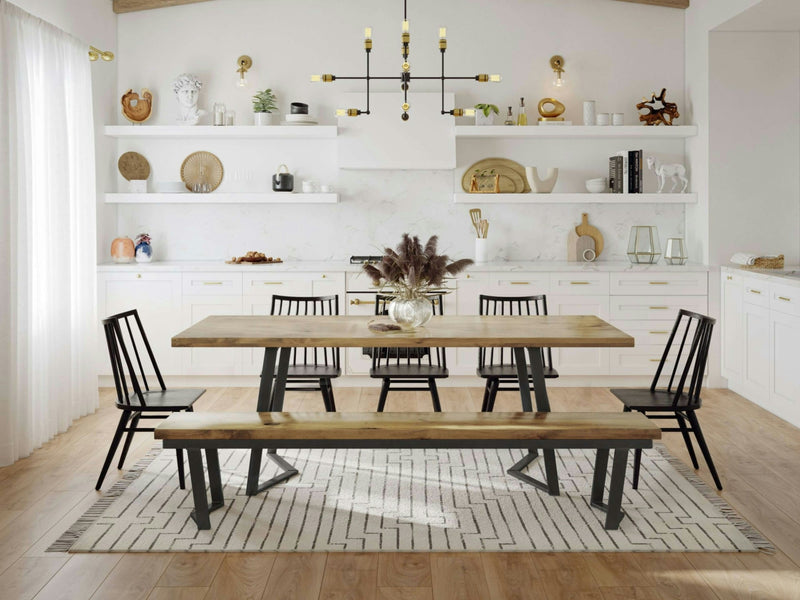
pixel 512 175
pixel 585 229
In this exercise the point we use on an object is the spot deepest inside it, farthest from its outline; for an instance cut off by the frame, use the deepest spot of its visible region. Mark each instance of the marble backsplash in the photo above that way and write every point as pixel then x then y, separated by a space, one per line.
pixel 375 208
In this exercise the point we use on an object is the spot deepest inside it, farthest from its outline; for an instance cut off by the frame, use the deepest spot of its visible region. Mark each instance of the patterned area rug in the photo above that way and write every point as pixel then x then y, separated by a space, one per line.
pixel 410 500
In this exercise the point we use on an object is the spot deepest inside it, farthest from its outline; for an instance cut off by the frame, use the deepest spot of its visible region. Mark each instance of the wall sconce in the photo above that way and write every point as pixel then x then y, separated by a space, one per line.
pixel 106 55
pixel 244 62
pixel 557 64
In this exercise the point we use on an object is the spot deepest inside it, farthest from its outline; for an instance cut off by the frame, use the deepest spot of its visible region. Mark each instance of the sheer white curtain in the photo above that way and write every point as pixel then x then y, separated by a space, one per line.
pixel 47 237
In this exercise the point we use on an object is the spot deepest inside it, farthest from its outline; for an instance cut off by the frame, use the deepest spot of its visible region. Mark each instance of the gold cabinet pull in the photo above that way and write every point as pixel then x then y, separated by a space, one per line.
pixel 730 277
pixel 659 283
pixel 755 292
pixel 579 283
pixel 469 276
pixel 356 302
pixel 655 360
pixel 659 332
pixel 784 298
pixel 138 276
pixel 271 283
pixel 324 276
pixel 212 283
pixel 659 308
pixel 520 283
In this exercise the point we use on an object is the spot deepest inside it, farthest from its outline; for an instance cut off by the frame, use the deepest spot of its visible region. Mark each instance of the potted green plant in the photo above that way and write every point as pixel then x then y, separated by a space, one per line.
pixel 263 106
pixel 484 114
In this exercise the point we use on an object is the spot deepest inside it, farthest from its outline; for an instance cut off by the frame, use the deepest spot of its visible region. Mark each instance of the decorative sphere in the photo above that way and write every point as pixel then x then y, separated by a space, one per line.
pixel 404 116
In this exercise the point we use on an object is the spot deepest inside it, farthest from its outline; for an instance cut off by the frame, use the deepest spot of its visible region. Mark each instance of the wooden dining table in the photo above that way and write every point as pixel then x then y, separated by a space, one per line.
pixel 524 334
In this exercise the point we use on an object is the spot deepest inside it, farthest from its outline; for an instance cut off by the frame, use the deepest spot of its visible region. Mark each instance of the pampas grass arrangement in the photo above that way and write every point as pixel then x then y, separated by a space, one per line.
pixel 412 269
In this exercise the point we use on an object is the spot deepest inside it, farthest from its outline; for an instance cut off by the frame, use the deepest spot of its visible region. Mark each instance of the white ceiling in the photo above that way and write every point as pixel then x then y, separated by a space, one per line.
pixel 768 15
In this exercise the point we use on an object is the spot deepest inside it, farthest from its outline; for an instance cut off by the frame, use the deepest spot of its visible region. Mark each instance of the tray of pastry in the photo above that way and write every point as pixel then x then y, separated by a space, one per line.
pixel 253 258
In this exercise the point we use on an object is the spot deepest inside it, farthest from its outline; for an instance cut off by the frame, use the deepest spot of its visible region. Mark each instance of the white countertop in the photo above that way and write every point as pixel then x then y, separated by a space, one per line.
pixel 777 275
pixel 345 266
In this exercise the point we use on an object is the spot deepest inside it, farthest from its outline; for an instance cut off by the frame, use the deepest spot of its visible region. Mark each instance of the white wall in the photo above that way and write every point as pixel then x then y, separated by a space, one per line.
pixel 610 49
pixel 754 175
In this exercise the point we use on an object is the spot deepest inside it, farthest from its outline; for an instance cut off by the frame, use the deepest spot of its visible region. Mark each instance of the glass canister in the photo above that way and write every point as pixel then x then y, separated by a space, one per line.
pixel 675 252
pixel 644 246
pixel 219 114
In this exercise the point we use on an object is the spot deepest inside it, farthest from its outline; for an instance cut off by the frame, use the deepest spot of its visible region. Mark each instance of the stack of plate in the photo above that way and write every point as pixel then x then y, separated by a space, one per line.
pixel 299 120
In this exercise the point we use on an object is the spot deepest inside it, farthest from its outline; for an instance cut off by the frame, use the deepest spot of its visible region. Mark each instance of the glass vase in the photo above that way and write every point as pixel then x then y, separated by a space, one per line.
pixel 675 252
pixel 411 312
pixel 644 246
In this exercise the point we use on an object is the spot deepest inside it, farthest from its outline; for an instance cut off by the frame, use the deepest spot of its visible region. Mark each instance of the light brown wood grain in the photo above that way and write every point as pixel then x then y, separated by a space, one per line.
pixel 249 331
pixel 350 576
pixel 458 576
pixel 28 575
pixel 177 593
pixel 405 593
pixel 80 577
pixel 296 576
pixel 125 6
pixel 667 3
pixel 191 570
pixel 241 577
pixel 133 578
pixel 512 575
pixel 404 569
pixel 406 426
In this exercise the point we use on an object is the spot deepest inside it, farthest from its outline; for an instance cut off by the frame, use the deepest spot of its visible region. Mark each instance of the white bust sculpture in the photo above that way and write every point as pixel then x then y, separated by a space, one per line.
pixel 187 89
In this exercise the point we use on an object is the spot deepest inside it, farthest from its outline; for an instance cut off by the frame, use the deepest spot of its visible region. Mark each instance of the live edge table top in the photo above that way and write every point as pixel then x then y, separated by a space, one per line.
pixel 442 331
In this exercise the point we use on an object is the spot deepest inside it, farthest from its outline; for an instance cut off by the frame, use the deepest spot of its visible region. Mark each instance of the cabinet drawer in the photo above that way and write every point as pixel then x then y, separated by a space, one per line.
pixel 359 282
pixel 579 284
pixel 286 284
pixel 212 284
pixel 784 298
pixel 520 284
pixel 646 333
pixel 655 309
pixel 756 292
pixel 659 284
pixel 642 360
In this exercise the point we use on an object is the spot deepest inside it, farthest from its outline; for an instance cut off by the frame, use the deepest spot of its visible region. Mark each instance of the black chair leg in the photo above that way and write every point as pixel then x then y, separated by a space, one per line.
pixel 485 404
pixel 687 440
pixel 123 419
pixel 701 440
pixel 493 395
pixel 384 393
pixel 134 422
pixel 326 401
pixel 181 476
pixel 637 464
pixel 331 401
pixel 437 407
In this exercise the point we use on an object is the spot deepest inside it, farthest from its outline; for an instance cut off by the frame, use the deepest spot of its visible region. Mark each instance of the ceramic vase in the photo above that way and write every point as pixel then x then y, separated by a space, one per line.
pixel 589 113
pixel 481 119
pixel 144 253
pixel 122 250
pixel 481 250
pixel 262 118
pixel 539 184
pixel 411 312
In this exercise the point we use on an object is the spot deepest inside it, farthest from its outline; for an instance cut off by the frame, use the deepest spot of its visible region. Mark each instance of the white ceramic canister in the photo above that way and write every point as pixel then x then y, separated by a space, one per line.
pixel 589 114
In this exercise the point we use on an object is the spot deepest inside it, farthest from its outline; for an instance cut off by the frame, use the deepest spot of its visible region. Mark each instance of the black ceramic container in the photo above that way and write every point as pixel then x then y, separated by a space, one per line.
pixel 283 181
pixel 299 108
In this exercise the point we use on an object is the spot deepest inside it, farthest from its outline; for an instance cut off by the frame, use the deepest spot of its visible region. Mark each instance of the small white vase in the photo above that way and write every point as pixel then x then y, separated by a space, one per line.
pixel 589 113
pixel 481 250
pixel 262 118
pixel 481 119
pixel 541 185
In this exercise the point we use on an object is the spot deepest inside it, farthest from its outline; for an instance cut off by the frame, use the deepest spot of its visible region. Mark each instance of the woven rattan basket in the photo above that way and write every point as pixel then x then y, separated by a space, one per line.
pixel 767 262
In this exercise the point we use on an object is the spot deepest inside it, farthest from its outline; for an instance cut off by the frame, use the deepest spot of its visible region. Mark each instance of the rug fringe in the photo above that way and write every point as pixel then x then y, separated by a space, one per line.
pixel 753 535
pixel 71 535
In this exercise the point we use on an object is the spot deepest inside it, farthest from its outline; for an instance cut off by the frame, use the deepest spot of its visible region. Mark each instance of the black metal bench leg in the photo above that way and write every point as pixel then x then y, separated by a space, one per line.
pixel 599 479
pixel 701 440
pixel 128 438
pixel 123 419
pixel 437 406
pixel 200 512
pixel 615 513
pixel 181 474
pixel 214 478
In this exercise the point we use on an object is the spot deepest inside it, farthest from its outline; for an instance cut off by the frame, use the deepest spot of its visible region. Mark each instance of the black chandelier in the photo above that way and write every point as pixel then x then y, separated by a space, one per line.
pixel 405 74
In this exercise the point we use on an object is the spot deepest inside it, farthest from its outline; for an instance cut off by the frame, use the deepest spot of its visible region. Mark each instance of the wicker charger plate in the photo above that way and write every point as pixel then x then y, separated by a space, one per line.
pixel 202 167
pixel 133 165
pixel 512 175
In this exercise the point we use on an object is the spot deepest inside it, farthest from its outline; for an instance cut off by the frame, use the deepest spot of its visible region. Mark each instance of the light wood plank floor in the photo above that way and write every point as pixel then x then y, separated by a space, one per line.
pixel 756 454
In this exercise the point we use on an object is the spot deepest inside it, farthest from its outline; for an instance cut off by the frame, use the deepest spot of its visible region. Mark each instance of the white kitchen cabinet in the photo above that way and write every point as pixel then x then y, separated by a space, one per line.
pixel 732 328
pixel 580 361
pixel 756 349
pixel 784 398
pixel 211 361
pixel 157 297
pixel 659 284
pixel 464 361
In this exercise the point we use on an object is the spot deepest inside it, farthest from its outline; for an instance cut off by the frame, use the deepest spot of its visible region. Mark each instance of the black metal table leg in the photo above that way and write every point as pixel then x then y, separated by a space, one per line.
pixel 270 399
pixel 214 478
pixel 599 479
pixel 615 513
pixel 200 512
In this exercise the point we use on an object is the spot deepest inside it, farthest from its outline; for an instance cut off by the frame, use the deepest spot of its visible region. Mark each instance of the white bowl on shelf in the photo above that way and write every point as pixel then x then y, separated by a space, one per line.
pixel 597 186
pixel 171 187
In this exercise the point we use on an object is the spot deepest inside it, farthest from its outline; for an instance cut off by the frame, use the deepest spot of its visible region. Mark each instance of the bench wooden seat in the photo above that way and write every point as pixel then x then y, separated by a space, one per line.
pixel 271 430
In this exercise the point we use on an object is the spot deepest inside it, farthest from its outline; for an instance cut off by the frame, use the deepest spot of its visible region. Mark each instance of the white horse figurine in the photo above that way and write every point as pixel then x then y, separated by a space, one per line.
pixel 676 172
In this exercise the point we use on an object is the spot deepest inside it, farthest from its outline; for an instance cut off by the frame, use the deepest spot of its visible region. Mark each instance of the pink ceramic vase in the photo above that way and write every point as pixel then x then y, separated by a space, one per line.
pixel 122 250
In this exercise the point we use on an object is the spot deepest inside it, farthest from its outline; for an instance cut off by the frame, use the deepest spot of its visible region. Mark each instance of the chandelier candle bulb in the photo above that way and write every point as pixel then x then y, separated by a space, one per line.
pixel 495 78
pixel 442 33
pixel 367 33
pixel 405 25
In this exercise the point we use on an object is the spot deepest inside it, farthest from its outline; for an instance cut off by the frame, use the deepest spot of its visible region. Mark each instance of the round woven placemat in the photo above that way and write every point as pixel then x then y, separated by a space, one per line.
pixel 133 165
pixel 202 167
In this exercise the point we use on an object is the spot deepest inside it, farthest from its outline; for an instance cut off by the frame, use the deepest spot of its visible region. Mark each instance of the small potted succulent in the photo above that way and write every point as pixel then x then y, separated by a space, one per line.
pixel 484 114
pixel 263 107
pixel 410 273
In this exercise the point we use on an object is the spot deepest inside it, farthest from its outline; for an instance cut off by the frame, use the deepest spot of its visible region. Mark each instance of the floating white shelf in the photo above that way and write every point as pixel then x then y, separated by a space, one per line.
pixel 223 198
pixel 231 132
pixel 585 198
pixel 575 131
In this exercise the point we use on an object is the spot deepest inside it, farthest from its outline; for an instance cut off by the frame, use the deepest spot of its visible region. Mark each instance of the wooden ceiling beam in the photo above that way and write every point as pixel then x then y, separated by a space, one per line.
pixel 669 3
pixel 126 6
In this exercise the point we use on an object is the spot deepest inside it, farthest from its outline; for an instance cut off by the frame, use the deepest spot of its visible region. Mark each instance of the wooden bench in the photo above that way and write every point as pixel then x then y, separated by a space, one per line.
pixel 532 431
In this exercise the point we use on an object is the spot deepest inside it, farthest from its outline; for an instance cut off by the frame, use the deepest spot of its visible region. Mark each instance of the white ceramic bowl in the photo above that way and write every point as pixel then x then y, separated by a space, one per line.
pixel 597 186
pixel 171 187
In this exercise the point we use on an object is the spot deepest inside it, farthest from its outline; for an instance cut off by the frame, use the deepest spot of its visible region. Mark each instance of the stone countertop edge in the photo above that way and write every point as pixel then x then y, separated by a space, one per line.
pixel 774 275
pixel 344 266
